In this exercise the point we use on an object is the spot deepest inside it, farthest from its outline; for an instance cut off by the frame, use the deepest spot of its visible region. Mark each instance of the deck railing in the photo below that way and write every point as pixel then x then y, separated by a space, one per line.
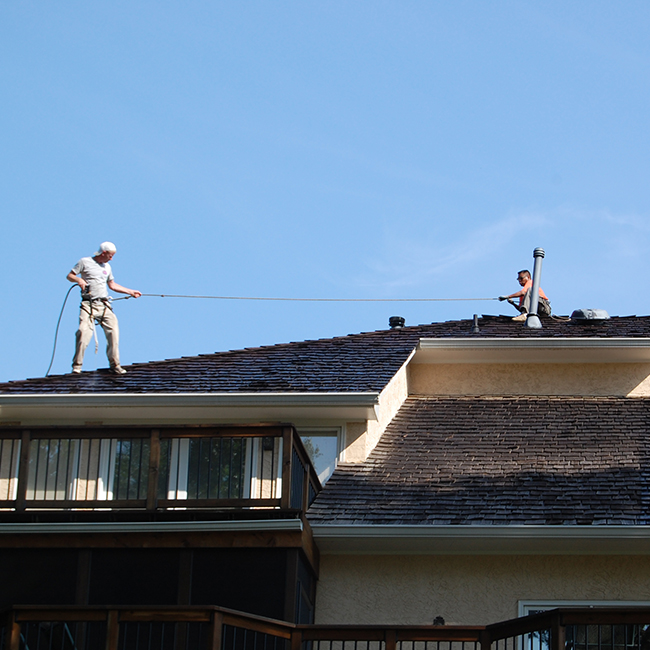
pixel 214 628
pixel 155 468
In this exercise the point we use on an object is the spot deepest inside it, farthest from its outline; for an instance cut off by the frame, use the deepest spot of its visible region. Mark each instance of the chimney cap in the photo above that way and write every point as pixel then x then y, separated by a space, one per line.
pixel 396 322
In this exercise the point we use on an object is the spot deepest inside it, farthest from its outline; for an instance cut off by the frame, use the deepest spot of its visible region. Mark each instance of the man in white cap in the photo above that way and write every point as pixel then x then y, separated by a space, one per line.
pixel 93 275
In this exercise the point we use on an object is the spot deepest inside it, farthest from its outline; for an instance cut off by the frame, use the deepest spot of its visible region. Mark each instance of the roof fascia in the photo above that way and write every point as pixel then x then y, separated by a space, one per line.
pixel 367 399
pixel 42 528
pixel 482 540
pixel 534 350
pixel 203 407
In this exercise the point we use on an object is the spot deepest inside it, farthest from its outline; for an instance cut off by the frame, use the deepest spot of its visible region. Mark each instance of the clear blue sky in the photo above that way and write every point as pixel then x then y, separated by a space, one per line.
pixel 316 149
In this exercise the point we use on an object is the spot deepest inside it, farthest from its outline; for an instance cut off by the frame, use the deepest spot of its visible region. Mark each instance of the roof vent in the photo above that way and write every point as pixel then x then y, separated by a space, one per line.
pixel 396 322
pixel 589 315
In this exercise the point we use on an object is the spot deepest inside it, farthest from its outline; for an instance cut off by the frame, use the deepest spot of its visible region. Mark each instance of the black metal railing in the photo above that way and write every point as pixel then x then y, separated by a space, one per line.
pixel 214 628
pixel 155 468
pixel 593 628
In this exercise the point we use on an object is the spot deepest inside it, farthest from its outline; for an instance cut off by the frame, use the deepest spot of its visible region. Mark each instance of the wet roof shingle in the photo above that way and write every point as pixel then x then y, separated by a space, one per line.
pixel 500 461
pixel 358 362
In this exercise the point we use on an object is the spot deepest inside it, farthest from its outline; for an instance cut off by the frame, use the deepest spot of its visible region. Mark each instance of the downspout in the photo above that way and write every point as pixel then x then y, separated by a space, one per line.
pixel 533 321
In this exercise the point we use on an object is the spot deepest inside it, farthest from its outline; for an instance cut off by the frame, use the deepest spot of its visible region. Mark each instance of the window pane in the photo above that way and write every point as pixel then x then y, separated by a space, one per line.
pixel 323 452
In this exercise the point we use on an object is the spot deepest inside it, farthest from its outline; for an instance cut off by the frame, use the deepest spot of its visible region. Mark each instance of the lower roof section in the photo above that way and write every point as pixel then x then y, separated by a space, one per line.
pixel 500 461
pixel 482 540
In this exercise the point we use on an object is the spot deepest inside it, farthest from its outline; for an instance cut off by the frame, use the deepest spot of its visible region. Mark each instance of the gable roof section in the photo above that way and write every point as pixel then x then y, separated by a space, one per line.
pixel 355 363
pixel 499 462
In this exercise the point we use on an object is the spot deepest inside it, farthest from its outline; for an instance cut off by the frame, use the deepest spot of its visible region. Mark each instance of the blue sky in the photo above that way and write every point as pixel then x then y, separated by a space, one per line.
pixel 316 149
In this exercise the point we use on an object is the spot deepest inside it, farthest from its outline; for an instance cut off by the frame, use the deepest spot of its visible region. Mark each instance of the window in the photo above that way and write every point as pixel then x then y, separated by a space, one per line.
pixel 323 448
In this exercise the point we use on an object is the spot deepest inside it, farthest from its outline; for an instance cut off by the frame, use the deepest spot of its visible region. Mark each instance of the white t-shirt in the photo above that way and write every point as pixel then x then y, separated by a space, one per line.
pixel 96 275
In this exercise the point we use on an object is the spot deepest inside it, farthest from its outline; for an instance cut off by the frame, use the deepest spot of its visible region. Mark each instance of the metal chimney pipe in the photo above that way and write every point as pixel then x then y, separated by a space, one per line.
pixel 533 319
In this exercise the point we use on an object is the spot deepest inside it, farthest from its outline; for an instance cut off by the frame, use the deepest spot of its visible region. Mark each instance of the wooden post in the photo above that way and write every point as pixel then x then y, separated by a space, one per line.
pixel 287 454
pixel 12 632
pixel 558 634
pixel 216 632
pixel 390 639
pixel 296 639
pixel 84 559
pixel 23 471
pixel 486 640
pixel 112 630
pixel 305 489
pixel 154 468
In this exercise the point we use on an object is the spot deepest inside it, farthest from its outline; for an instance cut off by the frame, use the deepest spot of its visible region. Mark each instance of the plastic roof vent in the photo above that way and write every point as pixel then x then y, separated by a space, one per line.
pixel 589 315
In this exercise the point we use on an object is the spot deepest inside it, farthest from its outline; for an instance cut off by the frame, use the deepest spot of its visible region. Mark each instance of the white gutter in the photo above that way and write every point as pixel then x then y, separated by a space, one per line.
pixel 483 540
pixel 534 350
pixel 41 528
pixel 537 343
pixel 174 408
pixel 366 399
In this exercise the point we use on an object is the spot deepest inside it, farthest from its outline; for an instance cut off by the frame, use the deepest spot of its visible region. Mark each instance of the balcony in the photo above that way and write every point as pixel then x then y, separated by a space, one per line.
pixel 155 469
pixel 214 628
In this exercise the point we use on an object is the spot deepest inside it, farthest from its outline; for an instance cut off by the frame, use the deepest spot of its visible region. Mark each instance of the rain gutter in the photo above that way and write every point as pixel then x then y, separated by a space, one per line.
pixel 483 540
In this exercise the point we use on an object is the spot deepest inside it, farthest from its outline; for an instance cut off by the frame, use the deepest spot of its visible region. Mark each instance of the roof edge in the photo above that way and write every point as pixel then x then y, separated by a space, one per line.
pixel 363 399
pixel 483 539
pixel 534 343
pixel 42 528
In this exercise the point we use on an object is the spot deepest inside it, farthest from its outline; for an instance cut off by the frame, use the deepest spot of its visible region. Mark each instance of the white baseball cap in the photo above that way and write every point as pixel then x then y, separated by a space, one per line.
pixel 106 246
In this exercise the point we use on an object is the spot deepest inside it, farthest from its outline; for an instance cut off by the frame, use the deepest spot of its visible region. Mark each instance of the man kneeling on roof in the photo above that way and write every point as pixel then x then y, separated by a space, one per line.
pixel 524 295
pixel 93 275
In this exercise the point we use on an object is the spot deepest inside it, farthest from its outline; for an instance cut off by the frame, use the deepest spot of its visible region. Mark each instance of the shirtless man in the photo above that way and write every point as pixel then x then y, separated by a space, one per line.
pixel 94 275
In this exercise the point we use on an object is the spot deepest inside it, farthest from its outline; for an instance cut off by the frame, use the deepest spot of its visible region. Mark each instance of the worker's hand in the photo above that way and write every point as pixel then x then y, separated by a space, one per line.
pixel 134 294
pixel 502 298
pixel 82 284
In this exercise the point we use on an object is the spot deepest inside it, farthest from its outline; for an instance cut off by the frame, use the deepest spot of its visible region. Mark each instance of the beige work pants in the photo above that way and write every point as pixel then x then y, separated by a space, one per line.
pixel 104 316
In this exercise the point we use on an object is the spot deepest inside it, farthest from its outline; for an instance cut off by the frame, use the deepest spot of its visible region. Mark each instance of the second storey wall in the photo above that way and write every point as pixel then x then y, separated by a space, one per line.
pixel 586 379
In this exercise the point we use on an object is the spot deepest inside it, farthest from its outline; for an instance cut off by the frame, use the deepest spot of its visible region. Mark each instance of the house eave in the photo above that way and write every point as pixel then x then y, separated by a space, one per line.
pixel 534 350
pixel 482 540
pixel 42 528
pixel 184 407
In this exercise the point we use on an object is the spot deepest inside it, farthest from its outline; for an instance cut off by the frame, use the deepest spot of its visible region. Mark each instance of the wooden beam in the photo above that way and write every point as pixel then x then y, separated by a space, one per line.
pixel 154 466
pixel 23 471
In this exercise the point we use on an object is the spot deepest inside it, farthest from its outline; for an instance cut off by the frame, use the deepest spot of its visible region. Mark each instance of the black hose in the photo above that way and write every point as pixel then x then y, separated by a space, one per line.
pixel 56 333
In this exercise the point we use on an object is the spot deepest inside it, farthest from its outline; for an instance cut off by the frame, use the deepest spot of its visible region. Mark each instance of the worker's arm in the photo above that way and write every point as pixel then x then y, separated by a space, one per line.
pixel 519 294
pixel 118 288
pixel 73 277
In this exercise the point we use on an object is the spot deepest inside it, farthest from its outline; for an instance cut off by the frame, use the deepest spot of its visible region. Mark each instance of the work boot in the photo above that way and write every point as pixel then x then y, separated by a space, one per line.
pixel 118 370
pixel 521 318
pixel 76 370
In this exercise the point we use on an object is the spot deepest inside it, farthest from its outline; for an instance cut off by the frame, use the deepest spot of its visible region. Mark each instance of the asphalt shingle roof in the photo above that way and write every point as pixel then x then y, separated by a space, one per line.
pixel 358 362
pixel 500 461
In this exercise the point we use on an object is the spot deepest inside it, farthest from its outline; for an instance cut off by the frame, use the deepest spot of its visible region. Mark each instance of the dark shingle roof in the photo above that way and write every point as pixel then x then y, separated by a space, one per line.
pixel 358 362
pixel 500 461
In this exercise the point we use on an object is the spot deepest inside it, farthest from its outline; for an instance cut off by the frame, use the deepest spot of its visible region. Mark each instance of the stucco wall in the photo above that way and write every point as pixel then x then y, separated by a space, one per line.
pixel 621 379
pixel 467 590
pixel 362 437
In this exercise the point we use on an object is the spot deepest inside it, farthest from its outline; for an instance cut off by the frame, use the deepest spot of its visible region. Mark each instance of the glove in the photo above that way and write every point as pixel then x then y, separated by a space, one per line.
pixel 502 298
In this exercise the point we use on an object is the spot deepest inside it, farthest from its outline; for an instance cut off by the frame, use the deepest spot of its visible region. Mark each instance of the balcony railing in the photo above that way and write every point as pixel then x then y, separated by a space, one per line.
pixel 155 468
pixel 214 628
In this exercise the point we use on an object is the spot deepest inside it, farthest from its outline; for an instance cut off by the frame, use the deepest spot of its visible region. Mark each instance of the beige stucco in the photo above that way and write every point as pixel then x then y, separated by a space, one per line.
pixel 362 437
pixel 467 590
pixel 622 379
